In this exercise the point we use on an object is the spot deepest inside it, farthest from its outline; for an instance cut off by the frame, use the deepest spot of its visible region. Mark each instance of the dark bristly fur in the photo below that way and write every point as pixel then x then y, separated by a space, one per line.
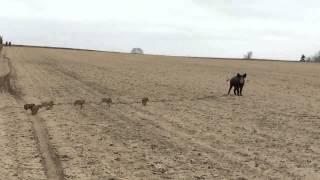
pixel 79 102
pixel 28 106
pixel 106 100
pixel 144 101
pixel 237 82
pixel 35 109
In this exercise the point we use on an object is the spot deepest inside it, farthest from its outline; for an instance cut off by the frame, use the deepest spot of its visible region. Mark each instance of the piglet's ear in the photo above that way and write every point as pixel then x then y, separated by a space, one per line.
pixel 238 75
pixel 244 75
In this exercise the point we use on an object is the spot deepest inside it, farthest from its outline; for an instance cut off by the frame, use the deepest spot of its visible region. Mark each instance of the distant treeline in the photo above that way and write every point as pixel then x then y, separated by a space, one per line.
pixel 314 58
pixel 1 42
pixel 7 43
pixel 247 56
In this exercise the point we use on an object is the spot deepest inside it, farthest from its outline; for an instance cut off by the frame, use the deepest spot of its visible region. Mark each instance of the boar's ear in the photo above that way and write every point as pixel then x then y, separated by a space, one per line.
pixel 244 75
pixel 238 75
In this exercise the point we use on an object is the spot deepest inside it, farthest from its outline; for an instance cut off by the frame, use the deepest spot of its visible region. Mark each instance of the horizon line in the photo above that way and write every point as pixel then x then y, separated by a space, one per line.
pixel 197 57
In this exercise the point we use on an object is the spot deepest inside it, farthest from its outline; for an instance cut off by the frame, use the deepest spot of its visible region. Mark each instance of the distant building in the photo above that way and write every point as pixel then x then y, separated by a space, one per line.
pixel 137 51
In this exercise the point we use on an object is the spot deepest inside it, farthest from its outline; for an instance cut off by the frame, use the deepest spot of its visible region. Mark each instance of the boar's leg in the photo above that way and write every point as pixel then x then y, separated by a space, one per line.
pixel 230 89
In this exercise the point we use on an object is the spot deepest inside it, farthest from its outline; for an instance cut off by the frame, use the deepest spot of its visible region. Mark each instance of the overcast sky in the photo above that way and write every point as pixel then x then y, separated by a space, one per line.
pixel 280 29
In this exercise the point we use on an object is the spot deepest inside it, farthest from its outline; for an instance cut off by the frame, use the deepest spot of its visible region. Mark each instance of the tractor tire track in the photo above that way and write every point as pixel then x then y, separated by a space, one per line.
pixel 51 162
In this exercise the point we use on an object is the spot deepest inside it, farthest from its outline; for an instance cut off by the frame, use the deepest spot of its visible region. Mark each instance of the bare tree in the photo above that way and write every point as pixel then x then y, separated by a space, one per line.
pixel 1 42
pixel 315 58
pixel 303 58
pixel 309 59
pixel 248 55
